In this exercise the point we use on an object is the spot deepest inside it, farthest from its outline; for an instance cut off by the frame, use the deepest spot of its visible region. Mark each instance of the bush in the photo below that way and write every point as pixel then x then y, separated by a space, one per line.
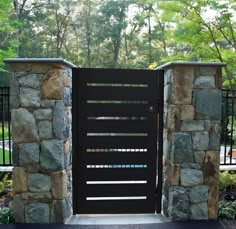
pixel 227 180
pixel 227 210
pixel 6 216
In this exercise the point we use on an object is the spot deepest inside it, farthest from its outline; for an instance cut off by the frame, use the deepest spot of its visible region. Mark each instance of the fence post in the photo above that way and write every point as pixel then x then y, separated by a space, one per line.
pixel 192 120
pixel 41 134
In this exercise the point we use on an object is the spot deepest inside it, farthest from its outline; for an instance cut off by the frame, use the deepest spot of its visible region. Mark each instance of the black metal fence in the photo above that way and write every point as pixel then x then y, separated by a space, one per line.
pixel 228 131
pixel 5 128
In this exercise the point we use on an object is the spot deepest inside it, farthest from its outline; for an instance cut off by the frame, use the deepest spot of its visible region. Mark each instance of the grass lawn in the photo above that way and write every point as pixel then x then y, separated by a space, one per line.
pixel 7 154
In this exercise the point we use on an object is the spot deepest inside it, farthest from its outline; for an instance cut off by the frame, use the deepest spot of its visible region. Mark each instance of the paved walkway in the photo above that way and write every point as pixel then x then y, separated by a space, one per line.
pixel 172 225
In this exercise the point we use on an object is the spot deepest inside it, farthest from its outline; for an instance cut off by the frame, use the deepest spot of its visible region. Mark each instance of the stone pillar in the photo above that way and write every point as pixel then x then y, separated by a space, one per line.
pixel 41 134
pixel 192 123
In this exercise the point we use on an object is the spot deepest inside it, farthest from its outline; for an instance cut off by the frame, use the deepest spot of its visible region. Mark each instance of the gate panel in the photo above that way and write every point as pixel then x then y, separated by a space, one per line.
pixel 115 140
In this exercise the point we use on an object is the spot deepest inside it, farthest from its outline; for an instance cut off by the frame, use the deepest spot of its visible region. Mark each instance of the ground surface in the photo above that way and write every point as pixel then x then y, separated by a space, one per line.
pixel 172 225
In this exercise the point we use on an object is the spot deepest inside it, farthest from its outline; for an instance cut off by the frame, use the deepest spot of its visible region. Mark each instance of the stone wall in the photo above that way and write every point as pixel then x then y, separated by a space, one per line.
pixel 41 123
pixel 192 123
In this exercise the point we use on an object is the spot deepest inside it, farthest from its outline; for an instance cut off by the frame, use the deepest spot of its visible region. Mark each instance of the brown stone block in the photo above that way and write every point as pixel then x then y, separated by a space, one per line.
pixel 67 147
pixel 187 112
pixel 213 202
pixel 59 185
pixel 173 118
pixel 173 173
pixel 67 79
pixel 19 180
pixel 182 85
pixel 43 196
pixel 51 87
pixel 20 67
pixel 211 168
pixel 45 67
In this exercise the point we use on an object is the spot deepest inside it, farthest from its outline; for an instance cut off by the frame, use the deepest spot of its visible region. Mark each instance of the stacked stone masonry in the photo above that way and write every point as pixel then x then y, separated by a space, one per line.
pixel 192 121
pixel 41 122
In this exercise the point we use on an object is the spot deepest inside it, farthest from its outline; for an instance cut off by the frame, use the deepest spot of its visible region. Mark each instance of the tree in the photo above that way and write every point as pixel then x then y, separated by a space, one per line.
pixel 204 30
pixel 8 27
pixel 112 24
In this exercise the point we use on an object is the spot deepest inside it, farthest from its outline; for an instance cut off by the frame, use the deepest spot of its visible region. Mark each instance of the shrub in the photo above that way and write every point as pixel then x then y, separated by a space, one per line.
pixel 6 216
pixel 227 210
pixel 227 180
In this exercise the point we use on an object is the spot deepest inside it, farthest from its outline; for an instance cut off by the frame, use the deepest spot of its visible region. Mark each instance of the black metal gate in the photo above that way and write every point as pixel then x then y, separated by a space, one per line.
pixel 117 132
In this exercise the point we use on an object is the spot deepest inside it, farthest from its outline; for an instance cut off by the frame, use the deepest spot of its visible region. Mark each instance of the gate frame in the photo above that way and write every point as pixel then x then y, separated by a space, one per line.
pixel 159 166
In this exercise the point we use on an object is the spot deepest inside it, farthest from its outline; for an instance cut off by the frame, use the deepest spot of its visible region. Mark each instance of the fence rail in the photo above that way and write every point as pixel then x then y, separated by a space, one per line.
pixel 5 127
pixel 228 131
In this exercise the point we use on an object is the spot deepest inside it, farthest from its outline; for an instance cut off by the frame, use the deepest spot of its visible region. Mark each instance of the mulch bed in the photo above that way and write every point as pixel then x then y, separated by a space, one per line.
pixel 228 195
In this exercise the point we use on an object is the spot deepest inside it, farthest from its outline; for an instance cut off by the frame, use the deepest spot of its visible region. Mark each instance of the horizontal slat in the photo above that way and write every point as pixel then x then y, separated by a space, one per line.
pixel 117 93
pixel 121 206
pixel 118 174
pixel 118 126
pixel 107 158
pixel 116 142
pixel 117 190
pixel 115 109
pixel 116 76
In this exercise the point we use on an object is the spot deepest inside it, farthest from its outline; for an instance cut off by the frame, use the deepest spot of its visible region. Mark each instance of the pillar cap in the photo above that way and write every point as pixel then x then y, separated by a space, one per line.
pixel 197 64
pixel 39 60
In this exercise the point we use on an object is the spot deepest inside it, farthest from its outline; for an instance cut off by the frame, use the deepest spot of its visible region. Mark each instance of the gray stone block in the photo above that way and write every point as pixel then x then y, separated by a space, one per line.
pixel 28 154
pixel 24 126
pixel 43 114
pixel 15 154
pixel 198 194
pixel 18 209
pixel 67 97
pixel 37 213
pixel 191 177
pixel 31 80
pixel 167 93
pixel 179 206
pixel 191 166
pixel 192 125
pixel 182 149
pixel 14 92
pixel 214 135
pixel 207 104
pixel 45 129
pixel 168 78
pixel 48 103
pixel 164 204
pixel 52 155
pixel 166 149
pixel 205 82
pixel 58 119
pixel 199 211
pixel 200 140
pixel 61 210
pixel 38 182
pixel 199 156
pixel 29 97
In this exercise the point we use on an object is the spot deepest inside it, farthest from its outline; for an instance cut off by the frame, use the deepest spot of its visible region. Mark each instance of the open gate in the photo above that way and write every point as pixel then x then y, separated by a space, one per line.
pixel 117 140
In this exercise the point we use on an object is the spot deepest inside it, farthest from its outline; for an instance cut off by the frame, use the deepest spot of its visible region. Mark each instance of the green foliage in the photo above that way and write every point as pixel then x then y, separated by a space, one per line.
pixel 6 133
pixel 227 180
pixel 227 210
pixel 7 156
pixel 6 216
pixel 8 26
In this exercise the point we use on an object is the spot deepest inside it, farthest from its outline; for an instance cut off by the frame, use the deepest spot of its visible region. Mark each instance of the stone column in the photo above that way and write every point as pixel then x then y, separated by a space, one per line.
pixel 41 134
pixel 192 123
